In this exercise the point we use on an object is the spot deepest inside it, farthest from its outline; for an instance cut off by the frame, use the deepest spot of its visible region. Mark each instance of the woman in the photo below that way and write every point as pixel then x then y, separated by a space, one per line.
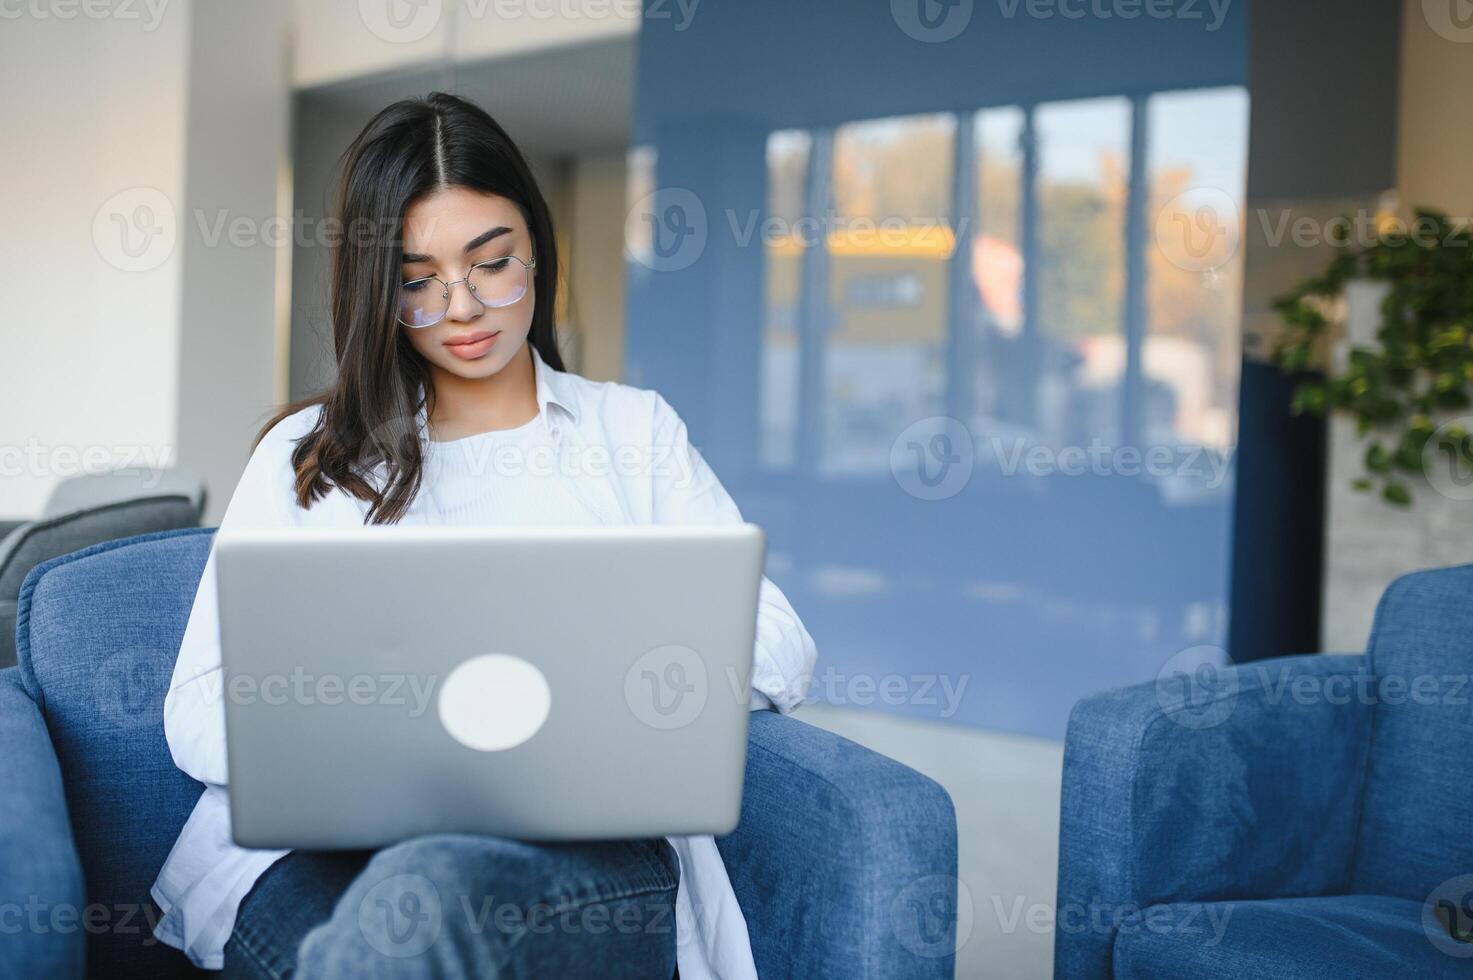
pixel 448 369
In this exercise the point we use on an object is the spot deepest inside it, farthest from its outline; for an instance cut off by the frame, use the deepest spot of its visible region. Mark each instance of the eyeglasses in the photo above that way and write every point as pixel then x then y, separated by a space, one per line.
pixel 496 283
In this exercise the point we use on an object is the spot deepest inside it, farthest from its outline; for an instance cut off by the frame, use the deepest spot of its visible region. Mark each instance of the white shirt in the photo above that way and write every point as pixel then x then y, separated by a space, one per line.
pixel 597 452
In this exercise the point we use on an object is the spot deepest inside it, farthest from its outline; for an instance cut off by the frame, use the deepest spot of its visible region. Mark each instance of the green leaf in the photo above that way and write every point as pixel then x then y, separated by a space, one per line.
pixel 1409 457
pixel 1377 459
pixel 1397 493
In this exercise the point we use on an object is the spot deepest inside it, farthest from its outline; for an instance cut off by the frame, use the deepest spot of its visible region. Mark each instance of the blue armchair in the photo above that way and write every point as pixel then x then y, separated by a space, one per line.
pixel 838 851
pixel 1302 817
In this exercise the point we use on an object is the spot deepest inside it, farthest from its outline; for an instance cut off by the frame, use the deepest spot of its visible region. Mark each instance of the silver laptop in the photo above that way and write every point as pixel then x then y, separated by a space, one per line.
pixel 541 684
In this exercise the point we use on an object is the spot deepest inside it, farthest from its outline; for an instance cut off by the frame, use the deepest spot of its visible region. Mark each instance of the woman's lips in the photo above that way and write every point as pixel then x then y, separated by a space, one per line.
pixel 472 345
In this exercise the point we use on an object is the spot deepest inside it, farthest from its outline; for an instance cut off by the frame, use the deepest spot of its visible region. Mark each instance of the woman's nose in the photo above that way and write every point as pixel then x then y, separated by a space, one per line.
pixel 463 304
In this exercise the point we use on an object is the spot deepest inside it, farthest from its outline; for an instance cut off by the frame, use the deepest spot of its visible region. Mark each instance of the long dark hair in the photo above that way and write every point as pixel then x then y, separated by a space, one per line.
pixel 411 148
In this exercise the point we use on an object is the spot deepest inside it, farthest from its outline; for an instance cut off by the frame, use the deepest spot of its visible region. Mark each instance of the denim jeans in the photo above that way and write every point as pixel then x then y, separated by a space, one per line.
pixel 461 905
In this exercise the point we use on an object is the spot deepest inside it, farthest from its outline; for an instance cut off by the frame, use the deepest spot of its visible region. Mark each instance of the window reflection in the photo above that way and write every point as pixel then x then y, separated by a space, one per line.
pixel 1197 162
pixel 1046 353
pixel 1013 268
pixel 787 176
pixel 888 249
pixel 1081 190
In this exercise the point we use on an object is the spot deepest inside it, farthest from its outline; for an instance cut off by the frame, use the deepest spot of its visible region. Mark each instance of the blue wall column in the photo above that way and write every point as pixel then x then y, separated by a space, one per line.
pixel 706 358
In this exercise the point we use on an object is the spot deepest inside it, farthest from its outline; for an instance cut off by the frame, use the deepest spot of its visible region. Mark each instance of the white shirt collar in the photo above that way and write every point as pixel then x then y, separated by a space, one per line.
pixel 552 389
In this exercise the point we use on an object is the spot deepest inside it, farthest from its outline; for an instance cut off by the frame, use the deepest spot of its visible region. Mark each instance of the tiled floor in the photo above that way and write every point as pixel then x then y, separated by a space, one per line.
pixel 1006 791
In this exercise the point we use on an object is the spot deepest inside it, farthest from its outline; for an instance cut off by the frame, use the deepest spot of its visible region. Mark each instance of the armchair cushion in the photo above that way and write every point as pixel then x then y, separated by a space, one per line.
pixel 1352 937
pixel 844 862
pixel 1171 794
pixel 98 632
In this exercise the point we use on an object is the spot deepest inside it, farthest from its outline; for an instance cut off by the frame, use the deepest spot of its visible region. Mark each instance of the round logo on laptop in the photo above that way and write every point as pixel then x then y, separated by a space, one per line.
pixel 494 702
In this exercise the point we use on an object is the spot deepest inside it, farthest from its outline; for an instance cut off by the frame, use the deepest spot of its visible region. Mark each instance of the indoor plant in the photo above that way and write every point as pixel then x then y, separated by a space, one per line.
pixel 1407 391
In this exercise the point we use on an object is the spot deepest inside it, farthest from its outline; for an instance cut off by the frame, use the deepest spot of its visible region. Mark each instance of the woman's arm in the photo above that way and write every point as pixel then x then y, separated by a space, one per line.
pixel 686 491
pixel 194 708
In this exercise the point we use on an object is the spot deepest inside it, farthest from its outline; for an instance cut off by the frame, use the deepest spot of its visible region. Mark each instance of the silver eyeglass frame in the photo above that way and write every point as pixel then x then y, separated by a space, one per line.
pixel 527 266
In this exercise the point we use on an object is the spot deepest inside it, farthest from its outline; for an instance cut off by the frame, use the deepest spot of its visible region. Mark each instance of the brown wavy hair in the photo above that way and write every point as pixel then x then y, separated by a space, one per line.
pixel 370 411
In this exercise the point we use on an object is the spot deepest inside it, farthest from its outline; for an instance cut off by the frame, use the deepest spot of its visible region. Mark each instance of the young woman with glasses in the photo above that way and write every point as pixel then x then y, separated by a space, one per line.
pixel 449 390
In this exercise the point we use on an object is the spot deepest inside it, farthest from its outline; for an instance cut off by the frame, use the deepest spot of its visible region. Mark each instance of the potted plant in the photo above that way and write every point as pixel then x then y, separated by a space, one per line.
pixel 1409 390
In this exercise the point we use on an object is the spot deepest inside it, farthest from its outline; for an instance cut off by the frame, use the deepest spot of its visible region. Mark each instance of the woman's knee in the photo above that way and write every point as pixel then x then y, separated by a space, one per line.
pixel 497 907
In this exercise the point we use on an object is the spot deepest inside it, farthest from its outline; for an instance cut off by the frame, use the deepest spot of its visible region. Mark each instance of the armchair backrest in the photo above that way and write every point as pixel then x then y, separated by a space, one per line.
pixel 97 634
pixel 1418 800
pixel 35 541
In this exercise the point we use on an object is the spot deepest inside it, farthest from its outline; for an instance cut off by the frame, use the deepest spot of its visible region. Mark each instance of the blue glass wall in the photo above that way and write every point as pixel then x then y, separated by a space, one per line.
pixel 949 296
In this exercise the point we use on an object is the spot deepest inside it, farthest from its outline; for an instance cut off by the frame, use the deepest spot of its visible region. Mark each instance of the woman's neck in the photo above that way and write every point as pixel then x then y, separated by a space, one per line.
pixel 468 406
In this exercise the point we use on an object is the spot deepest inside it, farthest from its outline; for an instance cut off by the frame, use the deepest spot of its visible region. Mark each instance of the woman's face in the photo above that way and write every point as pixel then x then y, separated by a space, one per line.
pixel 445 233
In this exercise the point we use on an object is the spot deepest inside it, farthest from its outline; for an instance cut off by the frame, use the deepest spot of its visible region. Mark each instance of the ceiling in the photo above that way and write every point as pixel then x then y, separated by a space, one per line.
pixel 565 100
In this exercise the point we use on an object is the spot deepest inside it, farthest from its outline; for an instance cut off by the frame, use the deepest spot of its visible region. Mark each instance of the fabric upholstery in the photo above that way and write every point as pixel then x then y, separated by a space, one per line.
pixel 98 632
pixel 1323 800
pixel 1353 937
pixel 844 862
pixel 1251 794
pixel 41 921
pixel 1417 817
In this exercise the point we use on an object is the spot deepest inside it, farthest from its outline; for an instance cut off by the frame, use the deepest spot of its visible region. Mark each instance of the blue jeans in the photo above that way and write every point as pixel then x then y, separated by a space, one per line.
pixel 460 905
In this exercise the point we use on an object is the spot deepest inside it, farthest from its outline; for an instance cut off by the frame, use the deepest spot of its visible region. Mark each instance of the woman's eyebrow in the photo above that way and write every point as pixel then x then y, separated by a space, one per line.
pixel 470 246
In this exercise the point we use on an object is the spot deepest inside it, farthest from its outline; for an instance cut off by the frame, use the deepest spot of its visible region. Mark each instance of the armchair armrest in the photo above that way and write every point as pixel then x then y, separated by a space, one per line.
pixel 8 611
pixel 844 862
pixel 42 923
pixel 1172 794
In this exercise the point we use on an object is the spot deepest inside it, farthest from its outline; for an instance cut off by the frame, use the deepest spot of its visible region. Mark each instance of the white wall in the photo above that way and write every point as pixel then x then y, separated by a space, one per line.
pixel 236 243
pixel 93 119
pixel 174 353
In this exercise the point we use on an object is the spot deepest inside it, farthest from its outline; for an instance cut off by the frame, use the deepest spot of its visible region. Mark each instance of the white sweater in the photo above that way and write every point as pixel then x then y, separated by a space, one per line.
pixel 596 453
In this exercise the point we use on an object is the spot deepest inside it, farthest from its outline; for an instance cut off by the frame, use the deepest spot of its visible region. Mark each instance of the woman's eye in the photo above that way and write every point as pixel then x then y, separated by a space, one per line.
pixel 496 266
pixel 416 287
